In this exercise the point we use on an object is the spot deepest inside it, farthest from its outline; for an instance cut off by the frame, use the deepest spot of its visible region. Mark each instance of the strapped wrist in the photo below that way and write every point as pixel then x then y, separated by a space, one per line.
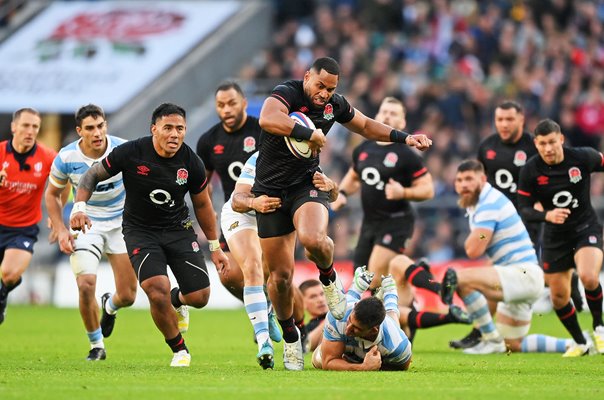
pixel 301 132
pixel 398 136
pixel 78 206
pixel 214 245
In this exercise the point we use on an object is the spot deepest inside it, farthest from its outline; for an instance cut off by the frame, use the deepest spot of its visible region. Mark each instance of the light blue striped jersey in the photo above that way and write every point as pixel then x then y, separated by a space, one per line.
pixel 247 176
pixel 107 201
pixel 393 344
pixel 510 243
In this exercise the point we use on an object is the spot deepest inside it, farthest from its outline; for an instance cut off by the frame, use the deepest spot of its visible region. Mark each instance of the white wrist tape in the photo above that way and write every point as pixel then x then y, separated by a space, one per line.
pixel 79 206
pixel 214 245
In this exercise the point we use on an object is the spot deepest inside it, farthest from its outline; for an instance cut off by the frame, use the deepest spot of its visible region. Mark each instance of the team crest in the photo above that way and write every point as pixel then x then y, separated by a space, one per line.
pixel 491 154
pixel 5 165
pixel 38 168
pixel 195 246
pixel 328 112
pixel 574 174
pixel 390 159
pixel 519 158
pixel 234 225
pixel 249 144
pixel 592 239
pixel 181 176
pixel 313 194
pixel 387 239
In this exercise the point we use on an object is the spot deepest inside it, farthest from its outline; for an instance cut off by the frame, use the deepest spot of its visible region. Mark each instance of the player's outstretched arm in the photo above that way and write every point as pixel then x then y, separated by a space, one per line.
pixel 79 221
pixel 206 217
pixel 374 130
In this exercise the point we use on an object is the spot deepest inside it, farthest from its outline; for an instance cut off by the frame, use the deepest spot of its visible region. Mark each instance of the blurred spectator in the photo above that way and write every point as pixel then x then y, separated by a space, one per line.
pixel 450 62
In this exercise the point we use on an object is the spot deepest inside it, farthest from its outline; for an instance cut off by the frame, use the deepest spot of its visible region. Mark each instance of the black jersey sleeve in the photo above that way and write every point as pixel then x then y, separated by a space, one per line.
pixel 197 173
pixel 287 93
pixel 204 149
pixel 526 199
pixel 116 160
pixel 355 157
pixel 595 159
pixel 346 111
pixel 480 155
pixel 415 166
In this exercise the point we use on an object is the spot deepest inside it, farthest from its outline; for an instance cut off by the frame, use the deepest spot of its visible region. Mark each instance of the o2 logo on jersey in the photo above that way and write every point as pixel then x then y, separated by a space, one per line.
pixel 371 176
pixel 161 197
pixel 505 180
pixel 564 199
pixel 235 169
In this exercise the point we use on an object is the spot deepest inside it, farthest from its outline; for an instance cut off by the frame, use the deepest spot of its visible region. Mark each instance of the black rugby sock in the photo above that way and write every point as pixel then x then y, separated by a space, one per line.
pixel 290 334
pixel 568 316
pixel 174 296
pixel 327 276
pixel 594 302
pixel 420 278
pixel 177 344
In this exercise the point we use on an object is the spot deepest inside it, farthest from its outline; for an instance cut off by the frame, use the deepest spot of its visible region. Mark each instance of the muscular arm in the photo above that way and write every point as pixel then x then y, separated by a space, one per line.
pixel 274 118
pixel 477 242
pixel 315 336
pixel 97 173
pixel 421 189
pixel 351 183
pixel 244 201
pixel 204 212
pixel 332 358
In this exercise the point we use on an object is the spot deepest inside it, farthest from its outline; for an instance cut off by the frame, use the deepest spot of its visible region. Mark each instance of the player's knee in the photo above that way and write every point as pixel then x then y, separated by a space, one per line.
pixel 317 362
pixel 86 286
pixel 127 297
pixel 198 299
pixel 282 279
pixel 589 280
pixel 314 241
pixel 10 278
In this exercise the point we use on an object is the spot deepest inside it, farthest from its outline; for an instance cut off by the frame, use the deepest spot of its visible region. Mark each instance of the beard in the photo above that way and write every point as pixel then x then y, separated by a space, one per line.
pixel 469 200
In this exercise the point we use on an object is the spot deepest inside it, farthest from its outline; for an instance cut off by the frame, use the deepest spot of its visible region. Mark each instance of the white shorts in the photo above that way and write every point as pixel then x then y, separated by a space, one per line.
pixel 521 283
pixel 103 237
pixel 232 222
pixel 521 312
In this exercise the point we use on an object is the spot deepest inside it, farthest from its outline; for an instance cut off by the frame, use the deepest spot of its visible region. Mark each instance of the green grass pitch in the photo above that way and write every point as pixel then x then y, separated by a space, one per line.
pixel 43 350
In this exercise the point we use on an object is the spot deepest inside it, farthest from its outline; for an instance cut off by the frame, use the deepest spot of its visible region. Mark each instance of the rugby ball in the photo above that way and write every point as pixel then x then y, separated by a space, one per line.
pixel 299 147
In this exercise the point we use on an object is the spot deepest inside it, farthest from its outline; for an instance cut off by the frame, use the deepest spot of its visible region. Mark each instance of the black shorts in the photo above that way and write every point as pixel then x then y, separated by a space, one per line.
pixel 280 222
pixel 152 251
pixel 394 234
pixel 559 248
pixel 22 238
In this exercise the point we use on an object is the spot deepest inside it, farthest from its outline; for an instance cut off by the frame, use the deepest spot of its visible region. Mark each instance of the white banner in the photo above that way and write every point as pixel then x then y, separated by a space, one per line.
pixel 75 53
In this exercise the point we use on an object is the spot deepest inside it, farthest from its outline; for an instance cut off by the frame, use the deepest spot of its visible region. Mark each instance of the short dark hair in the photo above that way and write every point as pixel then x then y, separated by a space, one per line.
pixel 470 165
pixel 89 110
pixel 328 64
pixel 165 109
pixel 546 126
pixel 226 85
pixel 307 284
pixel 509 104
pixel 370 312
pixel 20 111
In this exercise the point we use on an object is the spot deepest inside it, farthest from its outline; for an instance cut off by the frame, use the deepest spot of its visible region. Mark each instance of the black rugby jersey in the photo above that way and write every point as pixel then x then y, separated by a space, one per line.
pixel 276 167
pixel 156 186
pixel 226 153
pixel 375 164
pixel 503 162
pixel 565 185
